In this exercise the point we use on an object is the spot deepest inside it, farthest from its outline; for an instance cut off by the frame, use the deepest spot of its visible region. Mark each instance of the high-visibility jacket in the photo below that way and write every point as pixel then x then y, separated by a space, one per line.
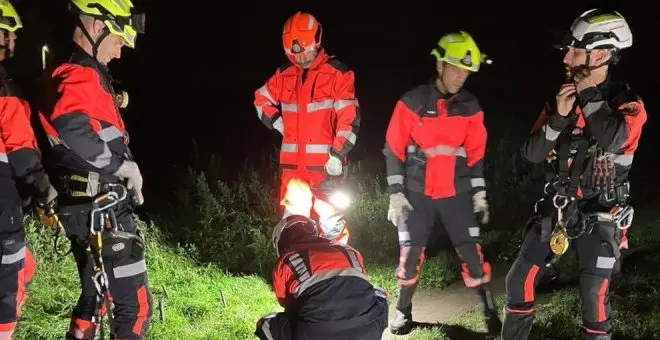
pixel 323 285
pixel 81 118
pixel 316 109
pixel 435 143
pixel 21 173
pixel 608 119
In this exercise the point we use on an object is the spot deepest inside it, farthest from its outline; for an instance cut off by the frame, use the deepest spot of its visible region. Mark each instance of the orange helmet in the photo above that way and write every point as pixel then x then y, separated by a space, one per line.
pixel 301 33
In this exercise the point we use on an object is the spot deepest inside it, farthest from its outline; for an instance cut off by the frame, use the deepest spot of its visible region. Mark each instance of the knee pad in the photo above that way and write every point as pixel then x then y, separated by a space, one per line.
pixel 411 259
pixel 521 283
pixel 595 303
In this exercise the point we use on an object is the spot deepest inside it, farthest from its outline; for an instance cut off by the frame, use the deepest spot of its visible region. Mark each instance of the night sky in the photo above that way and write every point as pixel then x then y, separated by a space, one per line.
pixel 193 75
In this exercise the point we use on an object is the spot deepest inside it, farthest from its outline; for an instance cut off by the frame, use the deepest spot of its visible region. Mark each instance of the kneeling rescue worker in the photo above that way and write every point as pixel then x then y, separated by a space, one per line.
pixel 323 287
pixel 22 178
pixel 434 151
pixel 91 156
pixel 588 139
pixel 311 102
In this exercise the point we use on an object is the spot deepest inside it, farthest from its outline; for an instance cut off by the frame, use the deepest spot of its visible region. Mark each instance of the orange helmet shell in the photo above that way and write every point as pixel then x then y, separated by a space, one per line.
pixel 301 33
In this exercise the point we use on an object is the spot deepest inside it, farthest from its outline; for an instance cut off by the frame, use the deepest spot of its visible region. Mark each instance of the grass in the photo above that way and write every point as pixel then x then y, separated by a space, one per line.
pixel 193 307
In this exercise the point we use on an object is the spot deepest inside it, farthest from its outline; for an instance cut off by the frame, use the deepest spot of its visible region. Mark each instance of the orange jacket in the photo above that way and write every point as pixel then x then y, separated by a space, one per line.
pixel 317 109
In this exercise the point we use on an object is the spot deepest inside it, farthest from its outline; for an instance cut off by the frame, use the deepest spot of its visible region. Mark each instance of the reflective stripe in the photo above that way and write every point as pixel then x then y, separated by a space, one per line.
pixel 7 334
pixel 350 136
pixel 444 150
pixel 290 107
pixel 592 107
pixel 474 231
pixel 340 104
pixel 266 329
pixel 623 159
pixel 110 133
pixel 260 111
pixel 302 274
pixel 550 133
pixel 355 263
pixel 104 159
pixel 289 148
pixel 478 182
pixel 130 269
pixel 3 158
pixel 264 92
pixel 279 125
pixel 325 276
pixel 605 262
pixel 15 257
pixel 315 106
pixel 404 236
pixel 411 149
pixel 317 148
pixel 394 179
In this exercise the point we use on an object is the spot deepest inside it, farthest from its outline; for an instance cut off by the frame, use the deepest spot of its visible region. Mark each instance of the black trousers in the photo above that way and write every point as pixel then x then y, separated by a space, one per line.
pixel 457 216
pixel 127 277
pixel 597 254
pixel 17 268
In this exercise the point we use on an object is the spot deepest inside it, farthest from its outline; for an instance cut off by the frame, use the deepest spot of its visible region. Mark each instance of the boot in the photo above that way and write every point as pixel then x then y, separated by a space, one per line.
pixel 403 322
pixel 493 323
pixel 516 326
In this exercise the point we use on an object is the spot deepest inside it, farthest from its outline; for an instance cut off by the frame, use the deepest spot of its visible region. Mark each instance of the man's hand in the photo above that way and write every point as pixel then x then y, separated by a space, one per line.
pixel 333 166
pixel 399 205
pixel 481 206
pixel 45 208
pixel 130 172
pixel 565 99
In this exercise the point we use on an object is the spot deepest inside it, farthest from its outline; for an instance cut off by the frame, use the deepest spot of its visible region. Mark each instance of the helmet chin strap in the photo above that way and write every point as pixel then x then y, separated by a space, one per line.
pixel 95 44
pixel 611 60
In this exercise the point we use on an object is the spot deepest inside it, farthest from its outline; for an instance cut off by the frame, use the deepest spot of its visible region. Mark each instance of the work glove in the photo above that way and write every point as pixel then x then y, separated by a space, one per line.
pixel 45 208
pixel 481 205
pixel 130 172
pixel 399 206
pixel 333 166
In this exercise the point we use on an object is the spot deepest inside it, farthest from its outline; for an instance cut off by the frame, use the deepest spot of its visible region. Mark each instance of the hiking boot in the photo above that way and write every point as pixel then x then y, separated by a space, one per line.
pixel 402 323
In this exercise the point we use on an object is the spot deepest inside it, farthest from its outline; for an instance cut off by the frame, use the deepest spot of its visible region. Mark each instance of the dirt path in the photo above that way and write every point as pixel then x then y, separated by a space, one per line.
pixel 440 306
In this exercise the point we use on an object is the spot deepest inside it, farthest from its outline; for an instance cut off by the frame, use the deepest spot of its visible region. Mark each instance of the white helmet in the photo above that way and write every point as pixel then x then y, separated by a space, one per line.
pixel 597 29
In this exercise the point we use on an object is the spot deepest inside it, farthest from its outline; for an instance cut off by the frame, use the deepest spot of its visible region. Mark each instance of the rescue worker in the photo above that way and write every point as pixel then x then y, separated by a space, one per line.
pixel 22 179
pixel 91 153
pixel 311 102
pixel 434 152
pixel 323 287
pixel 588 136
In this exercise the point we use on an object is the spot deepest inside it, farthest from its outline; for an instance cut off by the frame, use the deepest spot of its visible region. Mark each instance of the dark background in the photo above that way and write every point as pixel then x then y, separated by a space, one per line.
pixel 193 75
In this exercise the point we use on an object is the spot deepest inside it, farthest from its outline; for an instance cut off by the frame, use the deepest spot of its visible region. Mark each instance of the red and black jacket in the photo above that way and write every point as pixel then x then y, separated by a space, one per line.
pixel 81 119
pixel 435 143
pixel 317 108
pixel 607 119
pixel 323 285
pixel 21 173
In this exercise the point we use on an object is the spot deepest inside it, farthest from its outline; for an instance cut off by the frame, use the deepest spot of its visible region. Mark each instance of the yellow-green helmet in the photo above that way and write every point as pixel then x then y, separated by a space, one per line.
pixel 116 14
pixel 459 49
pixel 9 19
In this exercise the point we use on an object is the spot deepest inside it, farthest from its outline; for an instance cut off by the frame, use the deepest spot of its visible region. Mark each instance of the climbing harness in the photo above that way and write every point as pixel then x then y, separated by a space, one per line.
pixel 103 219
